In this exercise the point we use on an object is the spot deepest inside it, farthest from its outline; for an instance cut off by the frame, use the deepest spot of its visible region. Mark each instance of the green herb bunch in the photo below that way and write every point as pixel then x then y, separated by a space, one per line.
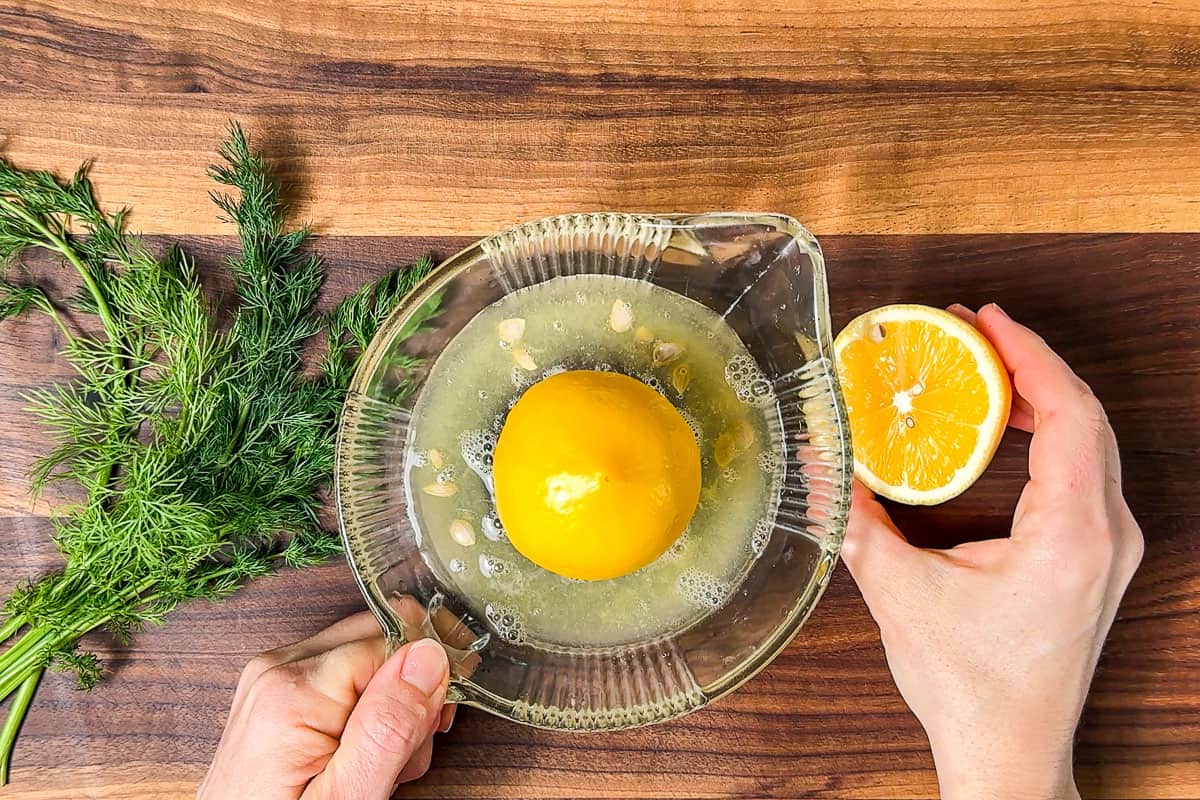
pixel 201 448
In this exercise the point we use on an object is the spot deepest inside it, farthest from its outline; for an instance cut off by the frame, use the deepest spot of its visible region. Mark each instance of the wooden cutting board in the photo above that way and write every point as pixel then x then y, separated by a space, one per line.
pixel 1043 155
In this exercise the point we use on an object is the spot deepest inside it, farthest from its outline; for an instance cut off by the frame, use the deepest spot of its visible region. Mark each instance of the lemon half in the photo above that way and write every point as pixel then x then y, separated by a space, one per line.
pixel 928 400
pixel 596 474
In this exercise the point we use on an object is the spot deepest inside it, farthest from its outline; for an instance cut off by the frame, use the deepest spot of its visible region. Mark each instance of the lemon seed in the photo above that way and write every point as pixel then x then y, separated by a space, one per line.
pixel 621 317
pixel 511 330
pixel 462 532
pixel 666 352
pixel 681 376
pixel 445 489
pixel 743 434
pixel 724 450
pixel 523 359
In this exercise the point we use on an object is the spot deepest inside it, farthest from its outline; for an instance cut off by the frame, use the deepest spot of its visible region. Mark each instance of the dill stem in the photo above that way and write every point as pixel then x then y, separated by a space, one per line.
pixel 30 650
pixel 20 646
pixel 239 428
pixel 66 332
pixel 18 659
pixel 70 581
pixel 16 716
pixel 12 675
pixel 59 244
pixel 13 625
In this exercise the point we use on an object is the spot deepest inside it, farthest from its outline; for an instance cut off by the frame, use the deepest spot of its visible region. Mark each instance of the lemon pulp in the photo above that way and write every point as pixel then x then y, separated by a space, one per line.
pixel 928 400
pixel 596 474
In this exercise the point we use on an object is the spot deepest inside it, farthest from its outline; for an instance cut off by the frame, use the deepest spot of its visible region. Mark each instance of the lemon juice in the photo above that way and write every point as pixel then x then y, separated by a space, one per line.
pixel 676 346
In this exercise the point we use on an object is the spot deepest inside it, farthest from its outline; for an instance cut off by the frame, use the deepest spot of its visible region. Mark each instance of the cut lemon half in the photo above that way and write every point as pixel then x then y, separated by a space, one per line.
pixel 928 400
pixel 596 474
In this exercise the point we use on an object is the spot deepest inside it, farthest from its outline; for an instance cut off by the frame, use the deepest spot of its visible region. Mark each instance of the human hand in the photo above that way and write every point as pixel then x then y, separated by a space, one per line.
pixel 993 643
pixel 331 717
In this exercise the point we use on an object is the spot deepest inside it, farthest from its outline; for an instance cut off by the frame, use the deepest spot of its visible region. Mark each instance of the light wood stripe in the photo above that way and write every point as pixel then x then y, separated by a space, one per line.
pixel 428 163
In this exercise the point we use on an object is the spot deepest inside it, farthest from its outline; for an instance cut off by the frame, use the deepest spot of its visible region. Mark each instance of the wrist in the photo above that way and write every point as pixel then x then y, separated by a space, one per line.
pixel 980 767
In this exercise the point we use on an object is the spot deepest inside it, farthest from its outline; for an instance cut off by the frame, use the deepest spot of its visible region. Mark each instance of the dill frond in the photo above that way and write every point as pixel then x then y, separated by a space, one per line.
pixel 202 449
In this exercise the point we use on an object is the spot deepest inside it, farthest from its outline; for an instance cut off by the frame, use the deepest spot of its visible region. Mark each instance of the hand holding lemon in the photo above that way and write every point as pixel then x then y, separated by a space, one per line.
pixel 992 643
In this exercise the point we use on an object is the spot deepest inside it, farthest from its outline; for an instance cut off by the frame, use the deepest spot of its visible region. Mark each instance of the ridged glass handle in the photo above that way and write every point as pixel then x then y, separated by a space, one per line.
pixel 577 244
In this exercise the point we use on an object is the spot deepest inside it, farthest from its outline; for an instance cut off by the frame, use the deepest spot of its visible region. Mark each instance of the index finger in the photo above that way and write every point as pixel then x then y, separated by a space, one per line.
pixel 1073 447
pixel 353 628
pixel 1020 416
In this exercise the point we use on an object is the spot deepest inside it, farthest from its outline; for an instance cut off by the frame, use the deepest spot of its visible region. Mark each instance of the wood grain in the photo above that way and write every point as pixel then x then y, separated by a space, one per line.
pixel 151 46
pixel 461 118
pixel 824 720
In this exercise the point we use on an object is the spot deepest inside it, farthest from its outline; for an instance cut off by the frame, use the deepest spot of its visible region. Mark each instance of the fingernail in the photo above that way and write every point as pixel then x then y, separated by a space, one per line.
pixel 1001 311
pixel 425 666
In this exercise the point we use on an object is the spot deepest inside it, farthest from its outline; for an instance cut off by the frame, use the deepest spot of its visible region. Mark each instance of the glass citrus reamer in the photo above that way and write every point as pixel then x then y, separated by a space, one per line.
pixel 764 274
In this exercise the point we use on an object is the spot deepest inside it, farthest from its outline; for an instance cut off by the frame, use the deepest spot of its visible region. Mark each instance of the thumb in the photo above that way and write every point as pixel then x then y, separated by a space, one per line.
pixel 875 551
pixel 396 713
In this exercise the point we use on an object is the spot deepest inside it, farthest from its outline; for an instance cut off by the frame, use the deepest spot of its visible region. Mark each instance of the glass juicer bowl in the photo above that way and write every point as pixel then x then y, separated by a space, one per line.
pixel 765 274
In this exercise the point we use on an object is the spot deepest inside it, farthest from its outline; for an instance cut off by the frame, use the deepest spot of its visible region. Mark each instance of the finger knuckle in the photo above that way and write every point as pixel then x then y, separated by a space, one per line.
pixel 256 666
pixel 1073 581
pixel 303 749
pixel 850 550
pixel 274 688
pixel 339 660
pixel 398 727
pixel 1135 546
pixel 1091 411
pixel 1084 568
pixel 1138 547
pixel 1087 466
pixel 1078 537
pixel 1101 554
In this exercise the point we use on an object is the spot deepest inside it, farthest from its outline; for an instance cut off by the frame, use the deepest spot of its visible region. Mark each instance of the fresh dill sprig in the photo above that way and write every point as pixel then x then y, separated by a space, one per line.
pixel 202 449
